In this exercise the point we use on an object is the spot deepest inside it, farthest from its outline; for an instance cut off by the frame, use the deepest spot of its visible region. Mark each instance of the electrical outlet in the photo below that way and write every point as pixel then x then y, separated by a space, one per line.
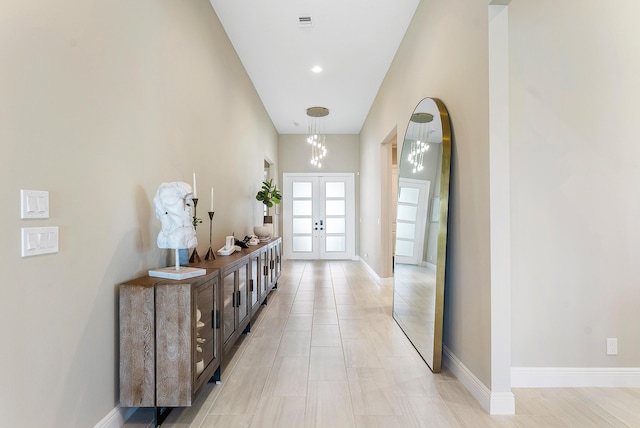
pixel 612 346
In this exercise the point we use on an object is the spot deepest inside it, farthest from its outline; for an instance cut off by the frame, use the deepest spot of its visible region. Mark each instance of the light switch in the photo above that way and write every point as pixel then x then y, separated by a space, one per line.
pixel 39 240
pixel 34 204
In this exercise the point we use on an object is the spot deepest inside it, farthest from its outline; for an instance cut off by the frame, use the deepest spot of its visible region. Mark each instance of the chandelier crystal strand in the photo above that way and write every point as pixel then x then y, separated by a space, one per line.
pixel 419 142
pixel 316 137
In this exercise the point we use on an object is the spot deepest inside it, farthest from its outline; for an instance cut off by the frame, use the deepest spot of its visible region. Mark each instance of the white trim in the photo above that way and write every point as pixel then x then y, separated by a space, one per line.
pixel 374 274
pixel 497 403
pixel 503 403
pixel 575 377
pixel 385 281
pixel 499 200
pixel 116 417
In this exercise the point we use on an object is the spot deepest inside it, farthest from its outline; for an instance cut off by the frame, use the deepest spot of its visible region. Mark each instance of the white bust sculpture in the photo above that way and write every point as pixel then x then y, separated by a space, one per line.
pixel 173 205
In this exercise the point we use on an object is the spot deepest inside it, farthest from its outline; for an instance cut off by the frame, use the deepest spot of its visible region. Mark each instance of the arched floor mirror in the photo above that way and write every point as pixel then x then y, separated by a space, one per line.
pixel 421 229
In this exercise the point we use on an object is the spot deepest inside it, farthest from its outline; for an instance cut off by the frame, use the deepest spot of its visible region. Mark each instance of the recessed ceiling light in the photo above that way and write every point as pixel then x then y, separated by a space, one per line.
pixel 316 69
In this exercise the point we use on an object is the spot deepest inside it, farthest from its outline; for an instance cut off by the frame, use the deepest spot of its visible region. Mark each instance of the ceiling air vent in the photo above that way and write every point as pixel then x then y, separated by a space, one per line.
pixel 304 21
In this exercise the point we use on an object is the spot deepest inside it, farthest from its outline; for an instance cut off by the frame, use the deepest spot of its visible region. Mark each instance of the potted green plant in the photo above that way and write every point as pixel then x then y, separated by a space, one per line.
pixel 269 195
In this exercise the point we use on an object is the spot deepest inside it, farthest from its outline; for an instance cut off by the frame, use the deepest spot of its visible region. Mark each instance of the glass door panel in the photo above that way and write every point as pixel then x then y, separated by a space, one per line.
pixel 228 289
pixel 205 344
pixel 241 301
pixel 255 280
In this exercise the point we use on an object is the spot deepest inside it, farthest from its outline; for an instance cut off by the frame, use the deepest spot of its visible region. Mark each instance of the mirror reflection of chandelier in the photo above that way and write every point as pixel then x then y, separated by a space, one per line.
pixel 316 136
pixel 420 144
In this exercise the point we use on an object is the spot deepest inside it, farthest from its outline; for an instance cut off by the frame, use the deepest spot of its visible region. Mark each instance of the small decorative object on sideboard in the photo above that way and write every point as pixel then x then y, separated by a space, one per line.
pixel 173 205
pixel 195 257
pixel 210 254
pixel 229 246
pixel 269 195
pixel 264 232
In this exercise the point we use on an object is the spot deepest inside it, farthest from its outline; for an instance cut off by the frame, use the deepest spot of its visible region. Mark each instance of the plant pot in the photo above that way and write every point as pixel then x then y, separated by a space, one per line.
pixel 268 219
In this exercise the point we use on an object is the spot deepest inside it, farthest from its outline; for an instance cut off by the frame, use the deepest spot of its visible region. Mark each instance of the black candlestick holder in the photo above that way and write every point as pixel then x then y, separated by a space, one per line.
pixel 195 258
pixel 211 255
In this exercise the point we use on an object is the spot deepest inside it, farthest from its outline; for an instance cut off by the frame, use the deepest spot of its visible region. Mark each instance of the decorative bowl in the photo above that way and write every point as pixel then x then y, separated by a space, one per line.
pixel 263 232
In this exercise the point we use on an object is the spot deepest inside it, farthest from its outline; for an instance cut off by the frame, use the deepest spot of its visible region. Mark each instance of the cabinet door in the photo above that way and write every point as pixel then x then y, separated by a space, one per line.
pixel 205 329
pixel 272 265
pixel 229 313
pixel 242 302
pixel 264 267
pixel 254 282
pixel 278 249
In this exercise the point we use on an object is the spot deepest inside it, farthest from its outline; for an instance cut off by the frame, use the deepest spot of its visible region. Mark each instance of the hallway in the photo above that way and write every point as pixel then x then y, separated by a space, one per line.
pixel 325 352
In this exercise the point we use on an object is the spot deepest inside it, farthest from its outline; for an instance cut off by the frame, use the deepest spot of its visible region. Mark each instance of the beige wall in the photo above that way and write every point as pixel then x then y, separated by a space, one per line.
pixel 101 102
pixel 574 177
pixel 445 55
pixel 343 153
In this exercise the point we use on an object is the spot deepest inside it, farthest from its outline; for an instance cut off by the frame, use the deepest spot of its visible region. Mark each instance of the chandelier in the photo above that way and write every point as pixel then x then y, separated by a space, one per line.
pixel 419 145
pixel 316 136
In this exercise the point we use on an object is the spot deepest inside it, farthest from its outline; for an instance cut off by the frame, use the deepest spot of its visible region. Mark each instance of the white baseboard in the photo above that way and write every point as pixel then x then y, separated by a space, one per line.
pixel 374 274
pixel 574 377
pixel 370 270
pixel 495 403
pixel 116 417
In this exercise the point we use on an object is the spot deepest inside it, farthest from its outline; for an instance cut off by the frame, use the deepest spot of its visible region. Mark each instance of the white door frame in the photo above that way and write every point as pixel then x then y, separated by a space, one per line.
pixel 319 239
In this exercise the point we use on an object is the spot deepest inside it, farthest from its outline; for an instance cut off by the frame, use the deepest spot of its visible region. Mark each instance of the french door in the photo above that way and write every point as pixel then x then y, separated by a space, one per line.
pixel 319 216
pixel 410 220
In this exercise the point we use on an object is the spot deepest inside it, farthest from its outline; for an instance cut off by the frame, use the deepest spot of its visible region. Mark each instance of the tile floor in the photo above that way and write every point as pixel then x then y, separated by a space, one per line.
pixel 325 352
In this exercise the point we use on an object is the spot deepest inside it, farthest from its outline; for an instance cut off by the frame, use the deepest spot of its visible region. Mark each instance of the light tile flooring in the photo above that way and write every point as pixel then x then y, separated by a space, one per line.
pixel 325 352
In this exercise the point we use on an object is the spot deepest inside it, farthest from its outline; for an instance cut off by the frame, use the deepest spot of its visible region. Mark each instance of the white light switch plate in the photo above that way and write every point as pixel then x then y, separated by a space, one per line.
pixel 34 204
pixel 39 240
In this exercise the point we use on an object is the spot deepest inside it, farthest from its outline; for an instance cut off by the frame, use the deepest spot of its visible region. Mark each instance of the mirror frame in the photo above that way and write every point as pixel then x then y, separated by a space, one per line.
pixel 436 363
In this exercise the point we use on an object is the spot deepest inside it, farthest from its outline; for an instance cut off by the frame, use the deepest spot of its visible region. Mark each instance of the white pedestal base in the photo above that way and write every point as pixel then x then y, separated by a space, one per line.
pixel 173 273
